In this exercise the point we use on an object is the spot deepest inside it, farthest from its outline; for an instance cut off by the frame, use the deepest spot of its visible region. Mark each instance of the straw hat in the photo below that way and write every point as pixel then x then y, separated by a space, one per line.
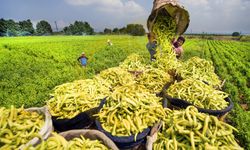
pixel 83 53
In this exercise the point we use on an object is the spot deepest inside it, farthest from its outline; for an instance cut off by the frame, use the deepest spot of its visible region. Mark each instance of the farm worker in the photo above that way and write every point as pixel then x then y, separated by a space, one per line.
pixel 109 42
pixel 177 46
pixel 151 45
pixel 83 59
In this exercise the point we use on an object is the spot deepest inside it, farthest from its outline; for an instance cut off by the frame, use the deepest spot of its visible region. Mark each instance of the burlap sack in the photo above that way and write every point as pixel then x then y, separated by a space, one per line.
pixel 153 135
pixel 174 9
pixel 90 134
pixel 46 130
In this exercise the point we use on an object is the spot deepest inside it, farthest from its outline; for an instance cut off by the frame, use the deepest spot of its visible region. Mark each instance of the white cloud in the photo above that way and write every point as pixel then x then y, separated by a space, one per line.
pixel 94 2
pixel 80 2
pixel 111 6
pixel 117 11
pixel 196 2
pixel 218 15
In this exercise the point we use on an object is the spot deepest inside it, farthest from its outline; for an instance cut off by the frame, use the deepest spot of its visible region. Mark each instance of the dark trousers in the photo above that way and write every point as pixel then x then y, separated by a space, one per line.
pixel 152 53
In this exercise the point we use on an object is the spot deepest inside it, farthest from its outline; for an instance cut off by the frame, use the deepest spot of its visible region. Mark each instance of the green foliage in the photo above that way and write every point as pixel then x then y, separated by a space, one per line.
pixel 115 31
pixel 9 27
pixel 231 60
pixel 79 28
pixel 123 30
pixel 131 29
pixel 236 34
pixel 32 66
pixel 241 120
pixel 135 29
pixel 43 27
pixel 26 26
pixel 245 38
pixel 107 31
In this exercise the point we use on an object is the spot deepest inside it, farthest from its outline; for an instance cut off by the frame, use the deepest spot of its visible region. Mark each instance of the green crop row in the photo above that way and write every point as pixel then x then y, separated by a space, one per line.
pixel 32 66
pixel 231 61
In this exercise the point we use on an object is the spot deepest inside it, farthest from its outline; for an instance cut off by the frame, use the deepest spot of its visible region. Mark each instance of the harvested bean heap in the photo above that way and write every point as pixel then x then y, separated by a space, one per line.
pixel 199 94
pixel 58 142
pixel 153 79
pixel 115 76
pixel 199 69
pixel 70 99
pixel 133 62
pixel 188 129
pixel 18 127
pixel 129 110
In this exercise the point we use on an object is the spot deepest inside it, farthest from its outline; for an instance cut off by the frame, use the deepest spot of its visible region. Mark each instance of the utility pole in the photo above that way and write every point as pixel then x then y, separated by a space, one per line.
pixel 56 27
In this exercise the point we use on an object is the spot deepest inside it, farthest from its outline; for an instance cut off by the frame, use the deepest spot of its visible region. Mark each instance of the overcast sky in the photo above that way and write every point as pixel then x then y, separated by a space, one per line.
pixel 217 16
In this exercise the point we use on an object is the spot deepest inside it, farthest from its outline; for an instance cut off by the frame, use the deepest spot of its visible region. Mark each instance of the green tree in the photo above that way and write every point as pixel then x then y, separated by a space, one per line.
pixel 236 34
pixel 123 30
pixel 135 29
pixel 115 31
pixel 88 29
pixel 2 26
pixel 66 30
pixel 27 26
pixel 79 28
pixel 140 31
pixel 9 27
pixel 107 31
pixel 43 27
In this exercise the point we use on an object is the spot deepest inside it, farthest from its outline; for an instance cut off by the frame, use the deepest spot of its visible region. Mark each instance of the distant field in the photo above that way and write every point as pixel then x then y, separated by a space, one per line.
pixel 32 66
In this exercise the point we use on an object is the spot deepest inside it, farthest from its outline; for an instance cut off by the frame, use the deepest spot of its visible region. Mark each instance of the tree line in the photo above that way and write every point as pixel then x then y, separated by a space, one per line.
pixel 43 27
pixel 132 29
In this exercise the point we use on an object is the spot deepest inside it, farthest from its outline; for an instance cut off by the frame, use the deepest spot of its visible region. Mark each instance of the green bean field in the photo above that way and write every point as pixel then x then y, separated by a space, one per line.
pixel 232 61
pixel 31 67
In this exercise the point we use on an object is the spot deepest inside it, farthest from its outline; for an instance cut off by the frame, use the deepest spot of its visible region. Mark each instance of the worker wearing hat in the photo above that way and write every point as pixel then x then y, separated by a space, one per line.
pixel 83 59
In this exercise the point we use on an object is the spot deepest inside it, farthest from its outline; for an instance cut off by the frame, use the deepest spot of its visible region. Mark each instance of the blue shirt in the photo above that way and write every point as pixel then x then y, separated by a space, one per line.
pixel 83 60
